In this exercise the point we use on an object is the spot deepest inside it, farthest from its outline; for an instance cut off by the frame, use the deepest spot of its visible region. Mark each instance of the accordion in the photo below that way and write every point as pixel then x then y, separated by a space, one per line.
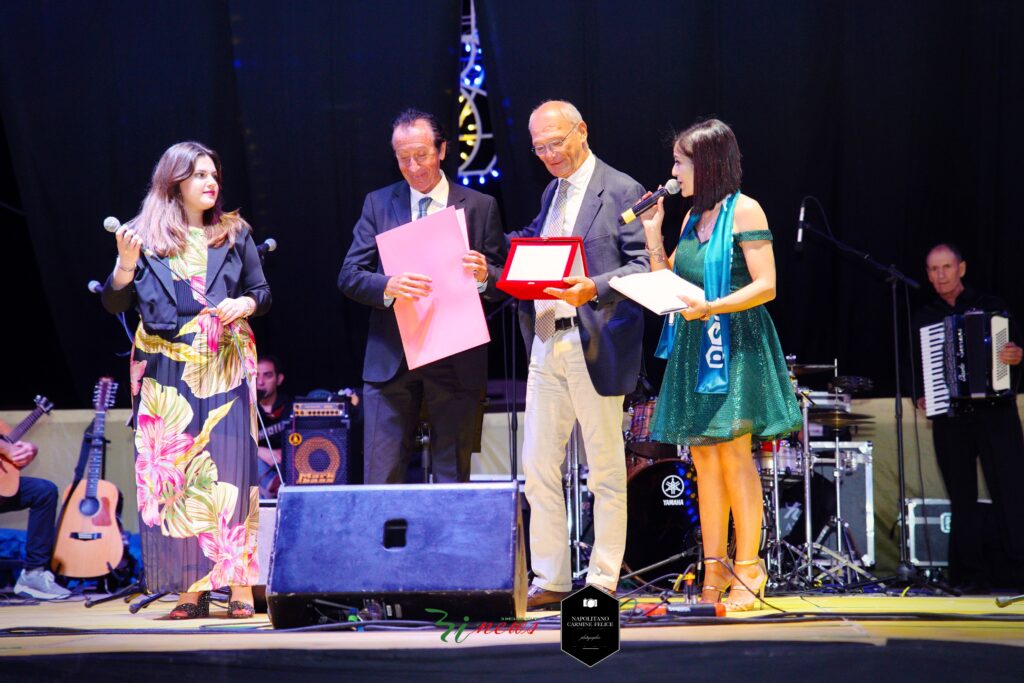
pixel 960 360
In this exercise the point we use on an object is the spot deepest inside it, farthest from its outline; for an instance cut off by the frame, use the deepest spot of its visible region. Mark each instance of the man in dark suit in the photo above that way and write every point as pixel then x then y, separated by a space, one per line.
pixel 584 353
pixel 452 387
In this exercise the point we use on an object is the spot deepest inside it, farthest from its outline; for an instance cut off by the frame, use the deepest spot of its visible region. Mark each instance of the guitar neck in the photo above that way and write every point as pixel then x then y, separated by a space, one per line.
pixel 96 454
pixel 15 434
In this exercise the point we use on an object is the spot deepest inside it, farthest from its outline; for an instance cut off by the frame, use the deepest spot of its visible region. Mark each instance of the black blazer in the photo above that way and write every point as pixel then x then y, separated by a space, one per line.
pixel 230 272
pixel 611 330
pixel 362 277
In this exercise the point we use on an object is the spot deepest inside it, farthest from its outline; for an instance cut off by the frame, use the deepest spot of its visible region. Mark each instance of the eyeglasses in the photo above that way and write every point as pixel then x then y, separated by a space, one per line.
pixel 541 150
pixel 421 157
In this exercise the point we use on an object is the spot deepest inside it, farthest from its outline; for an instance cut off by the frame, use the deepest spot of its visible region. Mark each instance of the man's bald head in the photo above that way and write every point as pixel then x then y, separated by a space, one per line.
pixel 559 136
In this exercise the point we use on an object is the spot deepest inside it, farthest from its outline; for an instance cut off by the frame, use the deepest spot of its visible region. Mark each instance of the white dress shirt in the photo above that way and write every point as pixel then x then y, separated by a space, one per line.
pixel 578 182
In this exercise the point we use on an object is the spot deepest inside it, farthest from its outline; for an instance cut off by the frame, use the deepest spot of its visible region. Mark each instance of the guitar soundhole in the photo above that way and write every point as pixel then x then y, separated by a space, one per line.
pixel 89 506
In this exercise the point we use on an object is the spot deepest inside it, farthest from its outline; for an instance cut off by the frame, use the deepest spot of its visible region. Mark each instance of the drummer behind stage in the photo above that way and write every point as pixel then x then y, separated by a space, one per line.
pixel 989 430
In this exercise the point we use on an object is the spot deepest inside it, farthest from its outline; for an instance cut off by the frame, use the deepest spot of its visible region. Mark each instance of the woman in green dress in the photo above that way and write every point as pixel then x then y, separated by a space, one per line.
pixel 726 381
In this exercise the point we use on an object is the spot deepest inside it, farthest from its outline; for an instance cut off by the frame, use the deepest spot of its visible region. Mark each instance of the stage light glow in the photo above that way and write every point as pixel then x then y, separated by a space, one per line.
pixel 476 152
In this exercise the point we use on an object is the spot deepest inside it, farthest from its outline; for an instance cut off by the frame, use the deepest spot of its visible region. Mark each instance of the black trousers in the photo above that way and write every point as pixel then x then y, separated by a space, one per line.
pixel 391 412
pixel 40 497
pixel 992 434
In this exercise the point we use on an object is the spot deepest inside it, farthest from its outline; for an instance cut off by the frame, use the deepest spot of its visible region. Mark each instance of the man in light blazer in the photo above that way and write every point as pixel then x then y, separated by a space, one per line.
pixel 584 353
pixel 452 387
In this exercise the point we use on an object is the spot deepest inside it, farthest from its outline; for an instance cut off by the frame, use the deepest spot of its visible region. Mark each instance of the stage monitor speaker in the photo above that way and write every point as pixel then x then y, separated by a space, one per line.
pixel 392 552
pixel 317 452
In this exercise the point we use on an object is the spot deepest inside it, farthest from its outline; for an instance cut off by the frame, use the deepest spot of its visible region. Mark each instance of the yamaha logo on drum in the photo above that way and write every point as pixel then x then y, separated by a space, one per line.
pixel 673 487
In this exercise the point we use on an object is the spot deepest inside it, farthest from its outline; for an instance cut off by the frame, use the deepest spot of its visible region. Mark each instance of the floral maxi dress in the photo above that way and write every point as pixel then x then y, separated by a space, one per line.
pixel 194 395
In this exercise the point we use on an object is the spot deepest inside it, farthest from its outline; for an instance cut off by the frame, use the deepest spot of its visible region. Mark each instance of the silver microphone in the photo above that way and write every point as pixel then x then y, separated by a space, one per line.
pixel 95 286
pixel 269 244
pixel 111 224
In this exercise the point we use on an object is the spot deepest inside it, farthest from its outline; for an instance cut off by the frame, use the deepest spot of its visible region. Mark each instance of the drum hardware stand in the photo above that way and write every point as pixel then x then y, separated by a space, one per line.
pixel 841 563
pixel 574 496
pixel 775 505
pixel 808 471
pixel 780 553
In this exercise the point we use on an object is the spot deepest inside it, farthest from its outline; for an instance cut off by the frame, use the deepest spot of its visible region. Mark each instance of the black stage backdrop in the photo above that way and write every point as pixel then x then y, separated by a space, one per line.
pixel 903 118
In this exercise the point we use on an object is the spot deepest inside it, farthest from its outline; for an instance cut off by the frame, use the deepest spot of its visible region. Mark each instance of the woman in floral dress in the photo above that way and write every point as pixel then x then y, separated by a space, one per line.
pixel 193 273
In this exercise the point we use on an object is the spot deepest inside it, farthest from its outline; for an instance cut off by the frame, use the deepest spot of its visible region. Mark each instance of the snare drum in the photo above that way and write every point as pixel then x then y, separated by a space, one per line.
pixel 662 517
pixel 638 438
pixel 789 457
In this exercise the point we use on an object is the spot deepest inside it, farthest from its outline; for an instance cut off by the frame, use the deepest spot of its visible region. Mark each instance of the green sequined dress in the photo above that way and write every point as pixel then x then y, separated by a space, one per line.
pixel 760 401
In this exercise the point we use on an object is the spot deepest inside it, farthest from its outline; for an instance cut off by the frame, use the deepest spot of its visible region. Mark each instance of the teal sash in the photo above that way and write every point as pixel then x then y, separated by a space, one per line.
pixel 713 368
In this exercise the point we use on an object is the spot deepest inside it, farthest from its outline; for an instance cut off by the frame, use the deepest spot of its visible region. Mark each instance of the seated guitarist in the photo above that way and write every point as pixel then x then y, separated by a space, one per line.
pixel 39 496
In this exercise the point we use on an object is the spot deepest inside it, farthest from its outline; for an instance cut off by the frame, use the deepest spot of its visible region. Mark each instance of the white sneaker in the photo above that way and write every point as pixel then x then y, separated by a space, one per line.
pixel 40 584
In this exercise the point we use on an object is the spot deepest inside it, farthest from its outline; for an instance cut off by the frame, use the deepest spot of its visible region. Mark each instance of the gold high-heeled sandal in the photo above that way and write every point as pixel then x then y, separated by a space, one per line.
pixel 757 591
pixel 719 592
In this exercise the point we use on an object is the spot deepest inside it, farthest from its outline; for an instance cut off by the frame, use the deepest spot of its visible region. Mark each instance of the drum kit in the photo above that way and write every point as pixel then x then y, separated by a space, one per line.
pixel 818 526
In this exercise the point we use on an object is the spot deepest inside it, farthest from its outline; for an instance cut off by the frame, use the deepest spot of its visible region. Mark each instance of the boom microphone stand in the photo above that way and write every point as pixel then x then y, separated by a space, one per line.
pixel 906 572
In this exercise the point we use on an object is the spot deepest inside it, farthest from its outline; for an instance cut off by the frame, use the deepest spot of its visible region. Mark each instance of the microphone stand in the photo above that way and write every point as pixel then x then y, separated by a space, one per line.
pixel 510 308
pixel 906 573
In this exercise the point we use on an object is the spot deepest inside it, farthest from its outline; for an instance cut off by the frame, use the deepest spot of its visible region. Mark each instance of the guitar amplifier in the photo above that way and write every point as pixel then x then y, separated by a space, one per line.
pixel 317 450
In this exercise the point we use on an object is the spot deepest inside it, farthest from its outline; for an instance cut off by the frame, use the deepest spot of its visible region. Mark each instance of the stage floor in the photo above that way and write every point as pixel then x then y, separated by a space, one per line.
pixel 867 633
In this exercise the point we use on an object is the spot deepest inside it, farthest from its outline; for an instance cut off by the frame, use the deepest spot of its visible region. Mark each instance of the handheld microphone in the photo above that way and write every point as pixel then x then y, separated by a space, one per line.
pixel 629 215
pixel 270 244
pixel 95 286
pixel 799 246
pixel 111 224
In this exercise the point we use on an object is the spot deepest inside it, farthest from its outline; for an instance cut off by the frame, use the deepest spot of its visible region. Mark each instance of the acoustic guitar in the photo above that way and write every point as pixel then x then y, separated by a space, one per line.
pixel 10 478
pixel 89 537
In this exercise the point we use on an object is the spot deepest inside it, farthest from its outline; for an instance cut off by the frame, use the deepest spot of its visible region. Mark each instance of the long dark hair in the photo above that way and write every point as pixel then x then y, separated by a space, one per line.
pixel 162 222
pixel 716 161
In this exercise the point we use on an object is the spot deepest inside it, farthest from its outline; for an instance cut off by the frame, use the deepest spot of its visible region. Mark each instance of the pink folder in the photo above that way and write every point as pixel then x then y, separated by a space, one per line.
pixel 451 319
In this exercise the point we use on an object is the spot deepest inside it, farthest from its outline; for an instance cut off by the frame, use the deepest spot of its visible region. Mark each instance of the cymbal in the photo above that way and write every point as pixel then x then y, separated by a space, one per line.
pixel 832 411
pixel 809 368
pixel 838 418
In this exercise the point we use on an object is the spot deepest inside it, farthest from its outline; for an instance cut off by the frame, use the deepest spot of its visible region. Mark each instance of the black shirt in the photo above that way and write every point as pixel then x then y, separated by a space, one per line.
pixel 281 410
